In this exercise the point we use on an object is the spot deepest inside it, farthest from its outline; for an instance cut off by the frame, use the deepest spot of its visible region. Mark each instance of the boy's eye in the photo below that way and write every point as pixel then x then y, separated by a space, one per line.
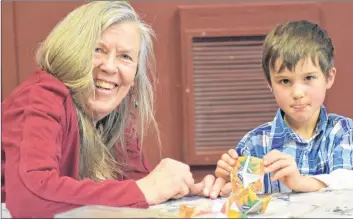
pixel 284 81
pixel 309 78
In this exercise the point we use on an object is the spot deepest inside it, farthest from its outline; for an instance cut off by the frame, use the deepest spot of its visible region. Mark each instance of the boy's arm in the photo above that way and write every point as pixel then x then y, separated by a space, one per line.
pixel 340 164
pixel 337 179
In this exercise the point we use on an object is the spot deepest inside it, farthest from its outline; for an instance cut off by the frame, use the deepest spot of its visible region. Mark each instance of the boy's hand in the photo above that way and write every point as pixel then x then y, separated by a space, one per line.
pixel 225 164
pixel 283 167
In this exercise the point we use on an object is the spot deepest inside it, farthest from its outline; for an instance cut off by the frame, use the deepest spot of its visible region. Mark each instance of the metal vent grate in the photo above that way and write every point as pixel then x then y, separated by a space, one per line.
pixel 231 96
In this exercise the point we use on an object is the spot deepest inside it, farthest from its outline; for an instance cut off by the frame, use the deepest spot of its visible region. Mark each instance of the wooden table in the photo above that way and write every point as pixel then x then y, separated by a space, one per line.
pixel 324 204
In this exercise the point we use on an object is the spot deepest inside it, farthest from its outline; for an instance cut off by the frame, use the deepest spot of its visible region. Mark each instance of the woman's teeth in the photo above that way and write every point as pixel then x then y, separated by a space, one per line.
pixel 105 85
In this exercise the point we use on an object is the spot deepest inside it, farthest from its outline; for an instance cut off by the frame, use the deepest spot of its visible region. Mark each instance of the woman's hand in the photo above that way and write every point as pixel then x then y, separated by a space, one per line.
pixel 170 179
pixel 211 187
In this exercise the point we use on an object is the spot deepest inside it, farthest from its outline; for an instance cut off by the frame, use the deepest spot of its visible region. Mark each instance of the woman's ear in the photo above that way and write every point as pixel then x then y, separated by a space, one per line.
pixel 136 75
pixel 137 70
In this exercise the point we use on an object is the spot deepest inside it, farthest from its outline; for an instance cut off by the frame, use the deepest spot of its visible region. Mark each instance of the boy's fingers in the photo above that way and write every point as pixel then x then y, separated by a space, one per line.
pixel 272 157
pixel 222 173
pixel 222 164
pixel 233 153
pixel 226 158
pixel 278 165
pixel 281 173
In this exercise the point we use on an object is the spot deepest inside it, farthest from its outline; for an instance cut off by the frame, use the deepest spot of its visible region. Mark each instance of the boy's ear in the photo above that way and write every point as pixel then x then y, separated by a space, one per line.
pixel 269 86
pixel 331 78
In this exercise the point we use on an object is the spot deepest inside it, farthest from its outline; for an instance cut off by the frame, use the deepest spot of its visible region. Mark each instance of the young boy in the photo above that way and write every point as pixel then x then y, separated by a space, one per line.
pixel 304 148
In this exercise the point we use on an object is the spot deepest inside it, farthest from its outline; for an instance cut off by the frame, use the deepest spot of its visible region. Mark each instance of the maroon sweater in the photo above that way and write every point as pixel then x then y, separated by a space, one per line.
pixel 40 141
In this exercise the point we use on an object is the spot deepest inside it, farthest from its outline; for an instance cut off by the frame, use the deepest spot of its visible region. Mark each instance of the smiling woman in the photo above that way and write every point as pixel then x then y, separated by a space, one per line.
pixel 96 50
pixel 114 67
pixel 71 135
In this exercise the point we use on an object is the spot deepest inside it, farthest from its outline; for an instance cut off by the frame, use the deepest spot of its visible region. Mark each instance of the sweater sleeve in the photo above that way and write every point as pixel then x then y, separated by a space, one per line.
pixel 138 165
pixel 37 188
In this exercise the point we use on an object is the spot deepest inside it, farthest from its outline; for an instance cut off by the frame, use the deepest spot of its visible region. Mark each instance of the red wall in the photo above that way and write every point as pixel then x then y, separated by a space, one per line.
pixel 25 24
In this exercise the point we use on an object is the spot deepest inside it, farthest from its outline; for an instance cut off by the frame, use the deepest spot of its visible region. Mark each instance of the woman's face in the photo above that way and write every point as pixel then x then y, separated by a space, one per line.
pixel 114 67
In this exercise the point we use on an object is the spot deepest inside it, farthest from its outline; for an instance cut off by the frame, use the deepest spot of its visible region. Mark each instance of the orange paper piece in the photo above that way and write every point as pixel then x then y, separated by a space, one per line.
pixel 187 211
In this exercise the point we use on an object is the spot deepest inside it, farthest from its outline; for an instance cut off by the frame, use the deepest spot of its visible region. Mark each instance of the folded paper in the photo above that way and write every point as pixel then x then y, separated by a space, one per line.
pixel 248 172
pixel 247 181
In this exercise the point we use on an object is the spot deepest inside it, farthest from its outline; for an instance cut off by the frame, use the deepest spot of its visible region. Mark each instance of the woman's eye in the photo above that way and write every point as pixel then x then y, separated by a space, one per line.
pixel 98 50
pixel 124 56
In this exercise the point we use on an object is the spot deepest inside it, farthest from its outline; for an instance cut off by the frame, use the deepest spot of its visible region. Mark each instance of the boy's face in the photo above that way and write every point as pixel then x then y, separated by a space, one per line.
pixel 301 92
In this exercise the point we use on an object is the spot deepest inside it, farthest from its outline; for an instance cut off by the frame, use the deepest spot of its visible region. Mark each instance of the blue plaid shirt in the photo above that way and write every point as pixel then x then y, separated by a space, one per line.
pixel 329 149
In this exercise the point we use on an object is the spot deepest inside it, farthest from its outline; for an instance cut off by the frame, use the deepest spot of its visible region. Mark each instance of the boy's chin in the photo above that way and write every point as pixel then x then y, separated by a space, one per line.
pixel 300 117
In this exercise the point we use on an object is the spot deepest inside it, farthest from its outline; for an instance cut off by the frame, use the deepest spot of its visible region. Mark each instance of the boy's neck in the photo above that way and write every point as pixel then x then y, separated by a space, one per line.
pixel 304 130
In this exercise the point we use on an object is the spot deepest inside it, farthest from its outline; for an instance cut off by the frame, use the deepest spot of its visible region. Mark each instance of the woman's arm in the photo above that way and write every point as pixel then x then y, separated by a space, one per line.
pixel 34 186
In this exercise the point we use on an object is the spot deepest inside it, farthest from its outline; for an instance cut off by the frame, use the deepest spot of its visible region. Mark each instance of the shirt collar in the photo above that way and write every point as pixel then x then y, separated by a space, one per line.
pixel 322 123
pixel 281 133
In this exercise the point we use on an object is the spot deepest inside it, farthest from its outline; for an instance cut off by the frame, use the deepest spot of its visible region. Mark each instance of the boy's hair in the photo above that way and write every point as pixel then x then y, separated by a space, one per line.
pixel 292 41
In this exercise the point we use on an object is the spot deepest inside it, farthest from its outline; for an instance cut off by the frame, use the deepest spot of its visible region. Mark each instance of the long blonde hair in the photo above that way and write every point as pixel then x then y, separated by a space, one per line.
pixel 67 53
